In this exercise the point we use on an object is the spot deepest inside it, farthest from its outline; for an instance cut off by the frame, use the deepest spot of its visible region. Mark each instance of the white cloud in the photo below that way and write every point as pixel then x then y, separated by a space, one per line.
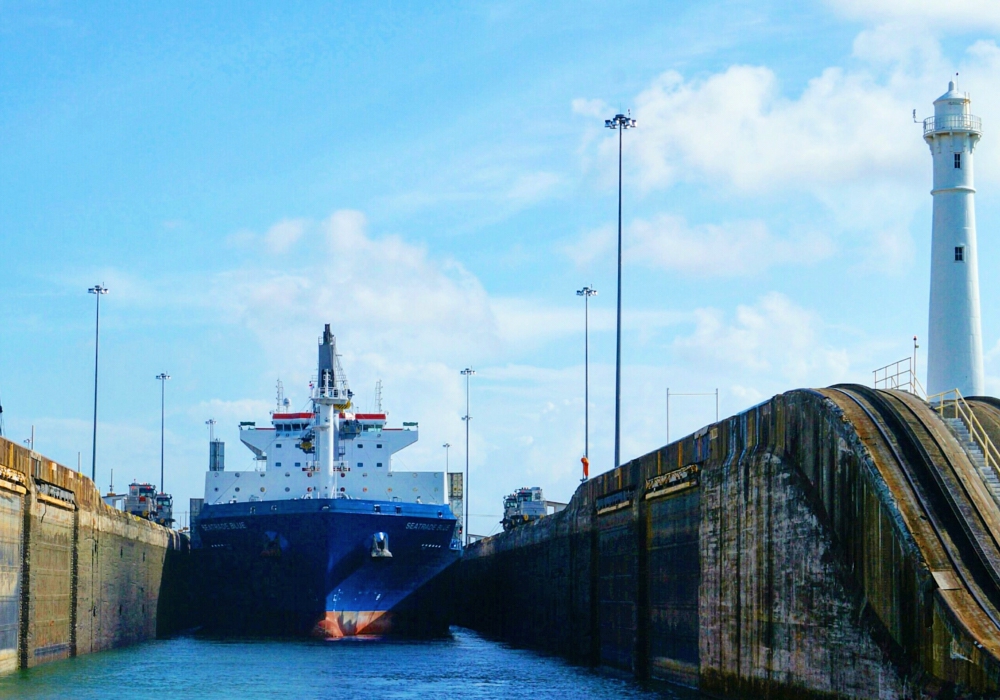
pixel 532 187
pixel 590 246
pixel 378 293
pixel 283 235
pixel 730 249
pixel 992 360
pixel 736 127
pixel 746 395
pixel 894 45
pixel 740 129
pixel 774 337
pixel 994 353
pixel 230 412
pixel 597 109
pixel 951 15
pixel 63 437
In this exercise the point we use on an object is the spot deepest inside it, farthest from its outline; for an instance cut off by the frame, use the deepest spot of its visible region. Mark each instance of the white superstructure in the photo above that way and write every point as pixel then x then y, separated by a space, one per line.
pixel 955 349
pixel 329 452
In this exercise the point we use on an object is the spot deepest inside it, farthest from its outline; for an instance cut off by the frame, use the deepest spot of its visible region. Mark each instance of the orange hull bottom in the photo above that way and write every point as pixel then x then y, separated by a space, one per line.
pixel 337 625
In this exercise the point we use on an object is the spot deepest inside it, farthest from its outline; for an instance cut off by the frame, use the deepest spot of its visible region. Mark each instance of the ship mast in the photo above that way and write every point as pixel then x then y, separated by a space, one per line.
pixel 330 396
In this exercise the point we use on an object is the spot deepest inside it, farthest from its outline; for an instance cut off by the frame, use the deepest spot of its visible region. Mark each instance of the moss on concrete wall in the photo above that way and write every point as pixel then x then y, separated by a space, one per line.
pixel 781 553
pixel 76 576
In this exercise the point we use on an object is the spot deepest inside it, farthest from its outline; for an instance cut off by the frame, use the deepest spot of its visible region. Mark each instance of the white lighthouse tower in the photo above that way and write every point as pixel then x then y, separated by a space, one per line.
pixel 955 343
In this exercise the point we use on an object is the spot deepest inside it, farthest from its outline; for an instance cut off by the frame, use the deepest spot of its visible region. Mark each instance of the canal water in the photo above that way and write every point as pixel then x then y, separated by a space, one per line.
pixel 463 665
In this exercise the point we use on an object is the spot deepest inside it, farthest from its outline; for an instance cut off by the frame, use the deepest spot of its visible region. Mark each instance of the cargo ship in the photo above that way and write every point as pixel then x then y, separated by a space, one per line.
pixel 324 538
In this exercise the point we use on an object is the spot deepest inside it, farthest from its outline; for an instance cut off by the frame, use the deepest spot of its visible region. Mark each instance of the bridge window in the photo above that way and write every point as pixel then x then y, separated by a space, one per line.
pixel 958 160
pixel 278 446
pixel 360 445
pixel 378 464
pixel 277 464
pixel 361 465
pixel 378 446
pixel 960 253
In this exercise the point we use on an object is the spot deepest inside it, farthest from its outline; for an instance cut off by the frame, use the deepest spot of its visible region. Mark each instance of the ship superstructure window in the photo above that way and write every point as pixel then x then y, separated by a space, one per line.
pixel 277 464
pixel 378 446
pixel 360 445
pixel 960 253
pixel 958 160
pixel 278 446
pixel 361 465
pixel 378 464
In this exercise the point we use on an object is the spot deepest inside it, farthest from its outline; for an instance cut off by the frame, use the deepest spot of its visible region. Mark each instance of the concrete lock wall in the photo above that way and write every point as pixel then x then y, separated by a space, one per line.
pixel 779 553
pixel 76 576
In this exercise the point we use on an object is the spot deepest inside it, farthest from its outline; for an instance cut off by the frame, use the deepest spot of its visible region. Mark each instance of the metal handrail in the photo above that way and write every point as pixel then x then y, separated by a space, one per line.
pixel 899 375
pixel 941 402
pixel 953 122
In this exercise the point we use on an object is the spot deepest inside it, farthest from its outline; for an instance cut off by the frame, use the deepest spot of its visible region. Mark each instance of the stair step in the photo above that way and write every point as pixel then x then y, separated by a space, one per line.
pixel 964 436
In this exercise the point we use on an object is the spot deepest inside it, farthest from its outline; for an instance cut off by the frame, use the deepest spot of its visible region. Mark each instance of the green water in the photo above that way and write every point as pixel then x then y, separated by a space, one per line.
pixel 463 665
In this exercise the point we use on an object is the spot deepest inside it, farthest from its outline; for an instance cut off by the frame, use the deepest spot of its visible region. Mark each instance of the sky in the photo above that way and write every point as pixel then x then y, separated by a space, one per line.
pixel 435 181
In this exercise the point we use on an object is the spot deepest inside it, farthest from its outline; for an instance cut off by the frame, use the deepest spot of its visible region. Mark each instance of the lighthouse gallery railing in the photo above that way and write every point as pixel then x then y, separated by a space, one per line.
pixel 953 122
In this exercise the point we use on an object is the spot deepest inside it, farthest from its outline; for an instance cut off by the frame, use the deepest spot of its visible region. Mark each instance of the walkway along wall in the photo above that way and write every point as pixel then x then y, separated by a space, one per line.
pixel 76 576
pixel 804 548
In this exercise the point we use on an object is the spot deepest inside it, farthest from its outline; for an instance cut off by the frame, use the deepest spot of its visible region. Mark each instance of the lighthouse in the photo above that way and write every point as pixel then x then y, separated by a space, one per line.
pixel 955 342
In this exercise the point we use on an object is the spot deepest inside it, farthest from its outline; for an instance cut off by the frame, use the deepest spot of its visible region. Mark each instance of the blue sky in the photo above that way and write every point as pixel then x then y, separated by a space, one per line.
pixel 434 180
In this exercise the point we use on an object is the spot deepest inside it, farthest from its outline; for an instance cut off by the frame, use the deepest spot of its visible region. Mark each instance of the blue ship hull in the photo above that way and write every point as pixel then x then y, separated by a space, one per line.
pixel 308 567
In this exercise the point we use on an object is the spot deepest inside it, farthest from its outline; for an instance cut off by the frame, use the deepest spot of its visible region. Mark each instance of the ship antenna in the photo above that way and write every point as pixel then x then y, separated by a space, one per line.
pixel 281 395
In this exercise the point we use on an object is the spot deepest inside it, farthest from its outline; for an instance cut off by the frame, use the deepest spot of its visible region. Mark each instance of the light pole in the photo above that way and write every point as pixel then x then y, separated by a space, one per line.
pixel 621 123
pixel 211 428
pixel 467 373
pixel 586 293
pixel 163 377
pixel 446 447
pixel 97 290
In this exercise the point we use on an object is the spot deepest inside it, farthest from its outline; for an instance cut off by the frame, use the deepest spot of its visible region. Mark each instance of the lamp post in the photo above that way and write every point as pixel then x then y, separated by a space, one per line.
pixel 467 373
pixel 446 447
pixel 98 290
pixel 620 122
pixel 586 293
pixel 163 377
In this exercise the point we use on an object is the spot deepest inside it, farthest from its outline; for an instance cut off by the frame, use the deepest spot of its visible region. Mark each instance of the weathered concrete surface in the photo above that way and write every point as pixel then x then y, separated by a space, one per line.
pixel 75 575
pixel 808 547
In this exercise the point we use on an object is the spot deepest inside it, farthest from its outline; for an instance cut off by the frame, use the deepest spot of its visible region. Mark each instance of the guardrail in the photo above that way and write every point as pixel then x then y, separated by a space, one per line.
pixel 899 375
pixel 953 122
pixel 954 403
